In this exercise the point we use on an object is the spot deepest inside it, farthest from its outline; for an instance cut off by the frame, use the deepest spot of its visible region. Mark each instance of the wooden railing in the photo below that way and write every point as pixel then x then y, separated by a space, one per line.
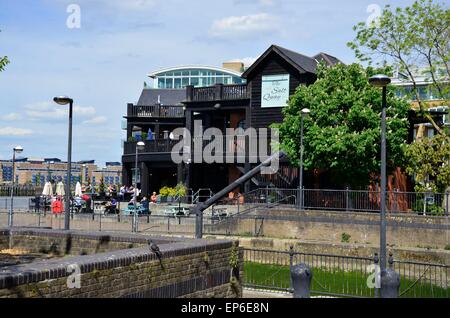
pixel 158 111
pixel 217 93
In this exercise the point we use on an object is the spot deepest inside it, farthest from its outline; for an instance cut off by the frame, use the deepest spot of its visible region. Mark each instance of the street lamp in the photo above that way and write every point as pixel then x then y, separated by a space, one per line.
pixel 140 145
pixel 17 149
pixel 382 81
pixel 64 100
pixel 304 112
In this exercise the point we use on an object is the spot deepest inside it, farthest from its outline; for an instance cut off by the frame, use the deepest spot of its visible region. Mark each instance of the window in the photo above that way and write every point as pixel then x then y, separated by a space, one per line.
pixel 177 83
pixel 161 83
pixel 195 81
pixel 185 82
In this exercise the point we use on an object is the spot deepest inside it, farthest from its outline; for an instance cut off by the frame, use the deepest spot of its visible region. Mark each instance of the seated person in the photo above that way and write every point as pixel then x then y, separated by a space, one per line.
pixel 154 198
pixel 144 204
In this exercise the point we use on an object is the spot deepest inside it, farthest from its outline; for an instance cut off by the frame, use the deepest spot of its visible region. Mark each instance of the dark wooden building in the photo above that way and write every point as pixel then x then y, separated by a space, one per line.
pixel 273 77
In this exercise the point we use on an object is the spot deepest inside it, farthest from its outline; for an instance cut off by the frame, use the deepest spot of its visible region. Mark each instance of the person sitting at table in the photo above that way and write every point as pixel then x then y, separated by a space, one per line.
pixel 154 198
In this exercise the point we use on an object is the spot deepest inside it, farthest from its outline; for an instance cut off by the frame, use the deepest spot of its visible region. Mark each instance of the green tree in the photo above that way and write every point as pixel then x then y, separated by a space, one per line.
pixel 413 40
pixel 342 133
pixel 429 162
pixel 3 62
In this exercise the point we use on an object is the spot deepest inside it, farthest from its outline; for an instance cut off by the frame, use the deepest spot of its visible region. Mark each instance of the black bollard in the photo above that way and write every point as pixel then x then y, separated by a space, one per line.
pixel 390 281
pixel 301 276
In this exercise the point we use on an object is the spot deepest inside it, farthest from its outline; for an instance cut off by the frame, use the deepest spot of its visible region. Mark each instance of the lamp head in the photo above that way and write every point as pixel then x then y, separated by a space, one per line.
pixel 140 145
pixel 62 100
pixel 305 111
pixel 18 149
pixel 379 80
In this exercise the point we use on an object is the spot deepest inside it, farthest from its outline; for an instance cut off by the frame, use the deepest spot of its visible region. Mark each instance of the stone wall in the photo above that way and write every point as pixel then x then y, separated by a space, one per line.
pixel 193 268
pixel 404 230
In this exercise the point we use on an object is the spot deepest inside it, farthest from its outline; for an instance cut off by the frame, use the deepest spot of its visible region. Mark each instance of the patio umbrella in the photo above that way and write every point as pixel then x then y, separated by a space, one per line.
pixel 78 192
pixel 47 188
pixel 150 134
pixel 60 189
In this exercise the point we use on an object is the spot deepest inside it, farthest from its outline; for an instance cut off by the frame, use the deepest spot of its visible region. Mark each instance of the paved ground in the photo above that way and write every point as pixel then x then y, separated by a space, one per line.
pixel 253 293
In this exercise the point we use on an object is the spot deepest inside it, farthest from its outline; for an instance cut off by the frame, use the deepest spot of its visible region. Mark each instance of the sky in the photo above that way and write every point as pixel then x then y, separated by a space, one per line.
pixel 102 58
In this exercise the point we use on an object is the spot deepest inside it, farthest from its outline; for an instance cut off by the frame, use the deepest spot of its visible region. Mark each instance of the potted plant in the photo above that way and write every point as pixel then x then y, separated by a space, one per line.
pixel 172 192
pixel 163 193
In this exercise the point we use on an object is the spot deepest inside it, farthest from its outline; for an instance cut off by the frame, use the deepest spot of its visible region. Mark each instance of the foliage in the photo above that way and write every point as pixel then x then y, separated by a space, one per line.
pixel 101 187
pixel 131 139
pixel 181 190
pixel 167 192
pixel 410 39
pixel 429 162
pixel 342 131
pixel 345 237
pixel 3 62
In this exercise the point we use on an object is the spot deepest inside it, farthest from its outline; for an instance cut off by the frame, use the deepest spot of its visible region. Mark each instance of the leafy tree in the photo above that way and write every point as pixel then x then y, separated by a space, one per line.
pixel 415 41
pixel 3 62
pixel 342 133
pixel 429 162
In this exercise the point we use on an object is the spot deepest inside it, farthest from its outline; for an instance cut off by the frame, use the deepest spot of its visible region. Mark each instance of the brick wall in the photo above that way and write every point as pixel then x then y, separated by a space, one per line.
pixel 189 268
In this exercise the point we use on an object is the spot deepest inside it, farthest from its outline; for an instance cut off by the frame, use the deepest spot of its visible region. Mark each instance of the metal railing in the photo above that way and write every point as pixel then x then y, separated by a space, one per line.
pixel 218 92
pixel 20 190
pixel 342 276
pixel 151 146
pixel 425 203
pixel 158 111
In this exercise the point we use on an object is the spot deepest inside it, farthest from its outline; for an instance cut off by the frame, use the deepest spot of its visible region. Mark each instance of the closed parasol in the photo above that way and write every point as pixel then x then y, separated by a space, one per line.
pixel 60 189
pixel 78 192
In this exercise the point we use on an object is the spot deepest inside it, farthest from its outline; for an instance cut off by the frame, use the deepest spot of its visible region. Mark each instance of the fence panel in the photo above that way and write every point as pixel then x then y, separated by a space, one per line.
pixel 342 276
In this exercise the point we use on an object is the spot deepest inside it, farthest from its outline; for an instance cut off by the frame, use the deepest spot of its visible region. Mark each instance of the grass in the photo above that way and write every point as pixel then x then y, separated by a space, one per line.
pixel 332 281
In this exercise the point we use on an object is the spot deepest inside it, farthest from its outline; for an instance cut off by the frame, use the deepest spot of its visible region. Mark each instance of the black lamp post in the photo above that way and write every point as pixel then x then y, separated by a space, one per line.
pixel 304 112
pixel 382 81
pixel 64 100
pixel 140 145
pixel 17 149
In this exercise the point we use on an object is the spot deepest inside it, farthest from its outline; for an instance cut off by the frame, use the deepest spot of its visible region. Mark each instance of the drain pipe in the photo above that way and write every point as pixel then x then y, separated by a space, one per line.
pixel 202 206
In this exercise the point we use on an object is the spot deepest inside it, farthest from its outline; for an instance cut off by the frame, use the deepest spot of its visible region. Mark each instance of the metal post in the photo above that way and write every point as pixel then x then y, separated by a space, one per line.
pixel 135 190
pixel 383 189
pixel 390 281
pixel 346 199
pixel 69 171
pixel 377 276
pixel 300 175
pixel 446 203
pixel 10 218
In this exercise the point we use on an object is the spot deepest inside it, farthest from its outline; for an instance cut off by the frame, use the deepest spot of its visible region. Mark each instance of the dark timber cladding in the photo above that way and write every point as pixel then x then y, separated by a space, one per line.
pixel 277 61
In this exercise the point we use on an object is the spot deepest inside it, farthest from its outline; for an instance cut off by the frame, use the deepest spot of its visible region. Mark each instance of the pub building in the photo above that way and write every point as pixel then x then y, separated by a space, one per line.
pixel 222 98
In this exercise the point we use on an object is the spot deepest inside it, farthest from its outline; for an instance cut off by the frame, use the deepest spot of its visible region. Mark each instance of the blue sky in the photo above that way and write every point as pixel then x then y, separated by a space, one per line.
pixel 104 63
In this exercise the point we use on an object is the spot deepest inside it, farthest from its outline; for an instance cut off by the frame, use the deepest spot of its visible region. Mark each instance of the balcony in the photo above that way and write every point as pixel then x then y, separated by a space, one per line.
pixel 151 146
pixel 155 111
pixel 217 93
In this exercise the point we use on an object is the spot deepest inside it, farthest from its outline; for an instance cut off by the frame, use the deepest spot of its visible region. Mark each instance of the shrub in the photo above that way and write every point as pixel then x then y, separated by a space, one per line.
pixel 345 237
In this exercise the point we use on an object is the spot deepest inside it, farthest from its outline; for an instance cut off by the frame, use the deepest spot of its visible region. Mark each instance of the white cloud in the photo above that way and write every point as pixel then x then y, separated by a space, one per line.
pixel 246 25
pixel 49 110
pixel 11 117
pixel 95 121
pixel 14 131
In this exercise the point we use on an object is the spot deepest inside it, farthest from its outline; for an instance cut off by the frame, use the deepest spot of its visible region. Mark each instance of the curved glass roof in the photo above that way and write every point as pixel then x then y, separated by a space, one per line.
pixel 198 76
